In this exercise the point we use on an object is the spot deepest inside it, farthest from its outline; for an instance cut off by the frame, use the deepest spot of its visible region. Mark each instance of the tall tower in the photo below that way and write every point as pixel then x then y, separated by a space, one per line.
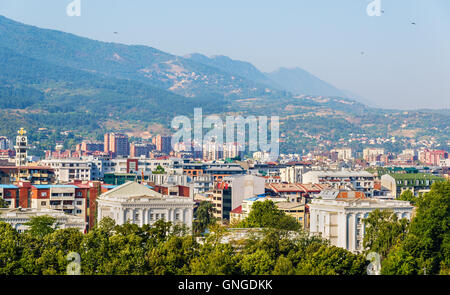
pixel 117 143
pixel 21 148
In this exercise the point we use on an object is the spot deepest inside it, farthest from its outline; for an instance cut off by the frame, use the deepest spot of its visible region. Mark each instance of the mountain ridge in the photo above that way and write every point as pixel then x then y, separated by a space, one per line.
pixel 143 63
pixel 299 81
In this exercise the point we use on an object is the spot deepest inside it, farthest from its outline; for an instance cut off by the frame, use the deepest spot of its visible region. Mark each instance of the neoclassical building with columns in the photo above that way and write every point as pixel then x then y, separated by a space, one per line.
pixel 341 220
pixel 138 204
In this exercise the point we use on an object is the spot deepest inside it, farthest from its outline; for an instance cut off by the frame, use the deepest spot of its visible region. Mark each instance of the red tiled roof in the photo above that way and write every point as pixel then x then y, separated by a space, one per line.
pixel 237 210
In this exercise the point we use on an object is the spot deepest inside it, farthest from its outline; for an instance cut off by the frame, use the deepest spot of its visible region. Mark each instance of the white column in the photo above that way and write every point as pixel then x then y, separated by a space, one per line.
pixel 347 230
pixel 123 214
pixel 144 216
pixel 132 215
pixel 99 213
pixel 353 233
pixel 141 217
pixel 190 217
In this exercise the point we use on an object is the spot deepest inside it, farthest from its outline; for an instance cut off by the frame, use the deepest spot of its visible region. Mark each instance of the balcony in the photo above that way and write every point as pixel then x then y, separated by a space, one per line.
pixel 62 198
pixel 40 175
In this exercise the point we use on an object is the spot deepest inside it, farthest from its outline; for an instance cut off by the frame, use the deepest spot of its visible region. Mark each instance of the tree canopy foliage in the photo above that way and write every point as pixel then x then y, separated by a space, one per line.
pixel 203 217
pixel 408 196
pixel 266 214
pixel 167 249
pixel 420 247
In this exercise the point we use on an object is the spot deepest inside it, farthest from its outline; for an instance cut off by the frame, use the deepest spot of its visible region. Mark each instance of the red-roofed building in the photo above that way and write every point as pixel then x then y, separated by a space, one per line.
pixel 236 214
pixel 294 192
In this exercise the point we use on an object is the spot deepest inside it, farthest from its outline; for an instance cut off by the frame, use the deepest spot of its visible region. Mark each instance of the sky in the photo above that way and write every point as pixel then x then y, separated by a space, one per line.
pixel 404 65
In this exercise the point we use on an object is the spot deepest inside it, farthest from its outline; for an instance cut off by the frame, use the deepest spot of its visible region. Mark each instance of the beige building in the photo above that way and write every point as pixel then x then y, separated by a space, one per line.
pixel 68 170
pixel 296 210
pixel 59 197
pixel 369 153
pixel 17 217
pixel 343 153
pixel 341 220
pixel 138 204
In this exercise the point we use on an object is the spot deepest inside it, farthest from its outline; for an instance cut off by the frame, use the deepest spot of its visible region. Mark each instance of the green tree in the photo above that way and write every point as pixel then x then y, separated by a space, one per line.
pixel 214 260
pixel 266 214
pixel 407 195
pixel 3 203
pixel 203 217
pixel 426 247
pixel 331 260
pixel 41 226
pixel 283 266
pixel 256 263
pixel 383 231
pixel 10 250
pixel 159 170
pixel 55 248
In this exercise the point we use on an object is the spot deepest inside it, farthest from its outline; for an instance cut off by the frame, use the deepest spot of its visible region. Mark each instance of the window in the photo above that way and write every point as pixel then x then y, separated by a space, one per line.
pixel 157 216
pixel 79 202
pixel 151 216
pixel 177 216
pixel 78 211
pixel 44 194
pixel 43 203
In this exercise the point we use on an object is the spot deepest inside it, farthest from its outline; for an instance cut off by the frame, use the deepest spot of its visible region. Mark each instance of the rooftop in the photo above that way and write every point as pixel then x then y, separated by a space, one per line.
pixel 340 173
pixel 49 186
pixel 237 210
pixel 407 176
pixel 8 186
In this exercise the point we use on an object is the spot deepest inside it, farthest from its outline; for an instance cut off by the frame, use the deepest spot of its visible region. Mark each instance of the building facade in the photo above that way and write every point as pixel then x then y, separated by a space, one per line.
pixel 18 218
pixel 417 183
pixel 138 204
pixel 117 144
pixel 340 220
pixel 351 180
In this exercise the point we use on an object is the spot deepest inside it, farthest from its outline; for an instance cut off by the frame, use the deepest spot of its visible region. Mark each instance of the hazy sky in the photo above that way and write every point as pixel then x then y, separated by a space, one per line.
pixel 403 66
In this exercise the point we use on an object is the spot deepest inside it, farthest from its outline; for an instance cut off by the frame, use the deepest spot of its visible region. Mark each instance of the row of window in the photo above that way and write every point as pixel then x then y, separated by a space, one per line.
pixel 56 203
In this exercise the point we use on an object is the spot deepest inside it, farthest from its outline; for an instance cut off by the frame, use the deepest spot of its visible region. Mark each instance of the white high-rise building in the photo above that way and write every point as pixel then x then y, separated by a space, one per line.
pixel 246 186
pixel 293 174
pixel 343 153
pixel 5 144
pixel 372 152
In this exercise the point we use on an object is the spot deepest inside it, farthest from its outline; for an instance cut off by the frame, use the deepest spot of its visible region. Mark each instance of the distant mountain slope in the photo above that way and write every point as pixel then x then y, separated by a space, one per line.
pixel 49 87
pixel 233 67
pixel 141 63
pixel 299 81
